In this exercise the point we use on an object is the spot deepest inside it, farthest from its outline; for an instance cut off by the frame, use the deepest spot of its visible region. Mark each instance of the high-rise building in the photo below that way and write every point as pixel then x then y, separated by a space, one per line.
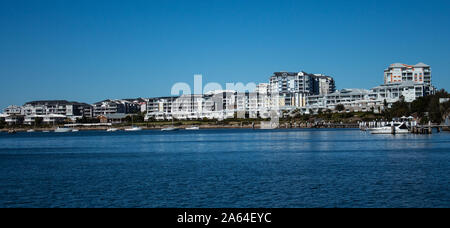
pixel 323 84
pixel 291 89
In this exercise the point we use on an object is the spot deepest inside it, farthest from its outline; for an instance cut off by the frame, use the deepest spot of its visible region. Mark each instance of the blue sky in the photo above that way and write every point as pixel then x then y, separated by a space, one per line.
pixel 89 50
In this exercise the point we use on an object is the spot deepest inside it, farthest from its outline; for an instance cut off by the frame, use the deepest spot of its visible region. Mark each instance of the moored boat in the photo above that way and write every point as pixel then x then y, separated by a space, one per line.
pixel 395 128
pixel 112 129
pixel 193 128
pixel 170 129
pixel 63 130
pixel 134 128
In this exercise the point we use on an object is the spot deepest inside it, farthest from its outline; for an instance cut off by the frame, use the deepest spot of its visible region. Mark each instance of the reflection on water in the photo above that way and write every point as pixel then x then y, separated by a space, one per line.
pixel 224 168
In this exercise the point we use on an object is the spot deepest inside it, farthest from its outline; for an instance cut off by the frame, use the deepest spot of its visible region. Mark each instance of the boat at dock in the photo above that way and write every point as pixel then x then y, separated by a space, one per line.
pixel 394 128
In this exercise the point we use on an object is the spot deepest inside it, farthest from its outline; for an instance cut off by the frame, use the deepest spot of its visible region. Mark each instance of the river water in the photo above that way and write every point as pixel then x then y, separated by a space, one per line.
pixel 224 168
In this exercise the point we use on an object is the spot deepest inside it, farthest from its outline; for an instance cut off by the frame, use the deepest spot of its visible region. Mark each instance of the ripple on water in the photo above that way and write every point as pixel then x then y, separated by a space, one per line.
pixel 224 168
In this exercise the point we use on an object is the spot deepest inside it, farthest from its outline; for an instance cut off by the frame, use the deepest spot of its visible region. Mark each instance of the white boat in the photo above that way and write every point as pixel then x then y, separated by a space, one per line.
pixel 193 128
pixel 170 129
pixel 45 131
pixel 75 130
pixel 396 128
pixel 112 129
pixel 63 129
pixel 31 130
pixel 134 128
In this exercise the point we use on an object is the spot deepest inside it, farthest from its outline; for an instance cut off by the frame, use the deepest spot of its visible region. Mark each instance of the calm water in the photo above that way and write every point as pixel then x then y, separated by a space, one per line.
pixel 224 168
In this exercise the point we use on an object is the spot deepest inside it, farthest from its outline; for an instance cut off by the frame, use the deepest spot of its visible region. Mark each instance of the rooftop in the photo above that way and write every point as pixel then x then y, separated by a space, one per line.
pixel 54 102
pixel 401 65
pixel 400 84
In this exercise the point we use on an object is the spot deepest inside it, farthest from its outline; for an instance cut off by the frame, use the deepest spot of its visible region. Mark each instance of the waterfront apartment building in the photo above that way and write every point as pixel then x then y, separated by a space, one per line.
pixel 220 105
pixel 59 107
pixel 367 100
pixel 108 107
pixel 159 108
pixel 352 99
pixel 3 116
pixel 408 90
pixel 290 89
pixel 13 110
pixel 264 103
pixel 284 93
pixel 46 119
pixel 323 84
pixel 399 72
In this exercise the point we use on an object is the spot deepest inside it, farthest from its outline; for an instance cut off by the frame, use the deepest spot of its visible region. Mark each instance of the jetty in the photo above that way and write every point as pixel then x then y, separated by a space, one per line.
pixel 413 126
pixel 428 129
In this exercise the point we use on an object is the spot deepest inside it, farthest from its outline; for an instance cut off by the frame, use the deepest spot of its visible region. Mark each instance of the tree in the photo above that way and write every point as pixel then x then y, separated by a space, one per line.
pixel 434 111
pixel 399 109
pixel 428 108
pixel 88 120
pixel 320 111
pixel 139 118
pixel 340 107
pixel 38 121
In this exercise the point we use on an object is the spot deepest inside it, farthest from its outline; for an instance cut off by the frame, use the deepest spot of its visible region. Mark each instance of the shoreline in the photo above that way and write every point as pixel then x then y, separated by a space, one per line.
pixel 121 128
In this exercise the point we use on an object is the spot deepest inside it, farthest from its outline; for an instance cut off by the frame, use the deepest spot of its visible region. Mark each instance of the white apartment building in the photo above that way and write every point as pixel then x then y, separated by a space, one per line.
pixel 289 90
pixel 60 107
pixel 13 110
pixel 46 119
pixel 108 107
pixel 366 100
pixel 399 72
pixel 409 90
pixel 401 82
pixel 264 103
pixel 221 104
pixel 160 108
pixel 352 99
pixel 324 84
